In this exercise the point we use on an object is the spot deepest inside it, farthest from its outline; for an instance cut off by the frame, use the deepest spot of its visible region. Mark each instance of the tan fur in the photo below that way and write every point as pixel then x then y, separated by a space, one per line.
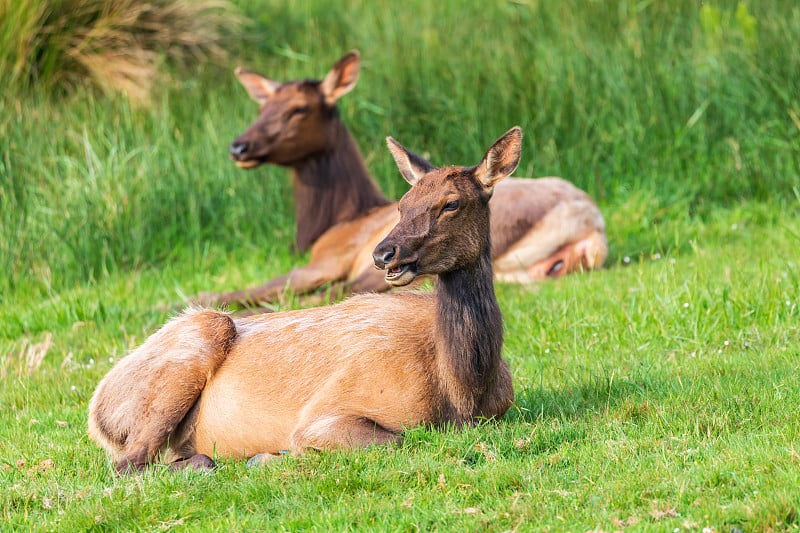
pixel 321 367
pixel 572 229
pixel 145 396
pixel 535 235
pixel 341 376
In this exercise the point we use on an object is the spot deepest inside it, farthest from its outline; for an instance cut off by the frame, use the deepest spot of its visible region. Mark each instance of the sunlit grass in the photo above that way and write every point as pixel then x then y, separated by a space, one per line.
pixel 659 393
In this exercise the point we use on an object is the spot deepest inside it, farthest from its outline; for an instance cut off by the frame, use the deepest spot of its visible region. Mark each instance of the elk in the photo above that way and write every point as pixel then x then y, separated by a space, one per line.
pixel 344 376
pixel 546 228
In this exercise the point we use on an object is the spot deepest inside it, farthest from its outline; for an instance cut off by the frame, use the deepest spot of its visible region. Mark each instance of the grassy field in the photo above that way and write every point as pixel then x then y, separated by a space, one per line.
pixel 659 393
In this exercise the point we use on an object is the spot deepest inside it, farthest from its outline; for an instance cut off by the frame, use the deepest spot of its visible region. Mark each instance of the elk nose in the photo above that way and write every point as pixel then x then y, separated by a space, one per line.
pixel 238 148
pixel 384 257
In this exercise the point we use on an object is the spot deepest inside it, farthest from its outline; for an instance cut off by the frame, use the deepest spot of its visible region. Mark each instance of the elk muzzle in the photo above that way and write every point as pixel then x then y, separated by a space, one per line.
pixel 399 271
pixel 238 149
pixel 240 153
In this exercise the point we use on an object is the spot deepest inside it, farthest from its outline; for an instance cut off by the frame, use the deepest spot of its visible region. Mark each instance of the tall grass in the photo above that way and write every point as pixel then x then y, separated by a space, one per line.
pixel 659 110
pixel 116 45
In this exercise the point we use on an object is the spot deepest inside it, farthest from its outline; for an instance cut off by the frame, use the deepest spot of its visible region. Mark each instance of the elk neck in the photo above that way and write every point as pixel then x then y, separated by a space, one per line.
pixel 332 186
pixel 469 333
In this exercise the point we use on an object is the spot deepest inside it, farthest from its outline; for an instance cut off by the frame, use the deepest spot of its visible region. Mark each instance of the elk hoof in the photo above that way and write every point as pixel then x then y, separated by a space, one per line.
pixel 555 271
pixel 127 468
pixel 261 459
pixel 199 463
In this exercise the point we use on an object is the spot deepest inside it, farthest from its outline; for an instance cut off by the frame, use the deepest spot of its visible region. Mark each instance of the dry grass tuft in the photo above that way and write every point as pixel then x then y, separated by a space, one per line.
pixel 117 45
pixel 29 357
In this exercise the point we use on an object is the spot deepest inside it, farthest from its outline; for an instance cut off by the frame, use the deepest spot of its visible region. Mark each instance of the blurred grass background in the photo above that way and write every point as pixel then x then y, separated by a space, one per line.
pixel 663 111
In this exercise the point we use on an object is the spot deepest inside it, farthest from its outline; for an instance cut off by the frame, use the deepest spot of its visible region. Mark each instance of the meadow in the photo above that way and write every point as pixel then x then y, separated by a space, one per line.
pixel 659 393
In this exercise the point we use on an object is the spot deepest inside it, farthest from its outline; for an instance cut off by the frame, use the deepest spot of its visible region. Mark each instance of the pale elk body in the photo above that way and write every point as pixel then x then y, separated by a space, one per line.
pixel 349 375
pixel 546 228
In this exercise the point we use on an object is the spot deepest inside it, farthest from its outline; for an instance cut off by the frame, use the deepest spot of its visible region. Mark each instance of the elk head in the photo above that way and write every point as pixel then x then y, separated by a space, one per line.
pixel 296 119
pixel 444 217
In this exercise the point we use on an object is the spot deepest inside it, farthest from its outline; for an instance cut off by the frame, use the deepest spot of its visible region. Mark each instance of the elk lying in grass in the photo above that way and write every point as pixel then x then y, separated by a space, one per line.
pixel 546 228
pixel 342 376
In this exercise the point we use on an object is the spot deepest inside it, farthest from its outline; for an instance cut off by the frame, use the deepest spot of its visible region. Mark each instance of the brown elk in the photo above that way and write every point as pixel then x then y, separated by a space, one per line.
pixel 546 228
pixel 343 376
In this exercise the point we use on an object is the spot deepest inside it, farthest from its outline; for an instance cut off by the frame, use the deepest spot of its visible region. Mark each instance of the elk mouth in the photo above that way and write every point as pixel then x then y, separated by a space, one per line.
pixel 249 163
pixel 400 275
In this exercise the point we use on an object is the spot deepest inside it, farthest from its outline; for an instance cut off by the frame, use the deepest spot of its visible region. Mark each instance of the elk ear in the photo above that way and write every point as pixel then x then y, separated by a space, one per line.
pixel 258 87
pixel 342 78
pixel 501 159
pixel 411 166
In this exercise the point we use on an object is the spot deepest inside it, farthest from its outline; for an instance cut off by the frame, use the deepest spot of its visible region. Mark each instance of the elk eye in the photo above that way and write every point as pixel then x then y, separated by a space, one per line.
pixel 302 110
pixel 452 205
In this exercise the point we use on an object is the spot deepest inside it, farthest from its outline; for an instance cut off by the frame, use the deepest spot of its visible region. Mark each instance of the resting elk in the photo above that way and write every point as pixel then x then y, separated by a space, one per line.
pixel 343 376
pixel 546 228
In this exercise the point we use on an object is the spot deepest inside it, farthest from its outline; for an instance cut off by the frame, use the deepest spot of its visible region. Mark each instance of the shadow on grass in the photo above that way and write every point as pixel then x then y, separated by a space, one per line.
pixel 541 403
pixel 564 416
pixel 544 419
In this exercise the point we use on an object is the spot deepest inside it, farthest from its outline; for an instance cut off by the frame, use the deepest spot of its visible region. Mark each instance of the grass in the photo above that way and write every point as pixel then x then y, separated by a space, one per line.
pixel 658 393
pixel 115 45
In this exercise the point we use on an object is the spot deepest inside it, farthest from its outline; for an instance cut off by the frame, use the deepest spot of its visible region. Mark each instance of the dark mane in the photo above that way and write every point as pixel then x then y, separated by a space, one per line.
pixel 332 186
pixel 469 326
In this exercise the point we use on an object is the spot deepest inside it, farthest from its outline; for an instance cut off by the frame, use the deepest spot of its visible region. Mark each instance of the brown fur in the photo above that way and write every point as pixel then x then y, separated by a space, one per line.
pixel 343 376
pixel 299 127
pixel 546 228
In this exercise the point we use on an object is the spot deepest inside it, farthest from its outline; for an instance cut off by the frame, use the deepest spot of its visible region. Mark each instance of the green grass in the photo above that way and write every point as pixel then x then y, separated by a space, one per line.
pixel 658 393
